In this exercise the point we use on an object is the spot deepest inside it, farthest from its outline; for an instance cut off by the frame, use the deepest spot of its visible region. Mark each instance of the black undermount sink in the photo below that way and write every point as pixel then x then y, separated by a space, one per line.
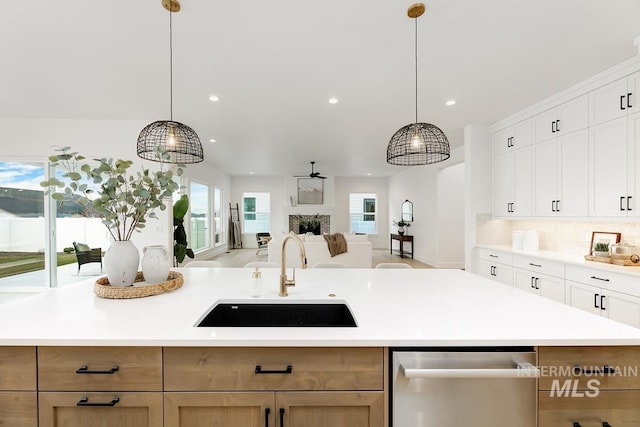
pixel 279 315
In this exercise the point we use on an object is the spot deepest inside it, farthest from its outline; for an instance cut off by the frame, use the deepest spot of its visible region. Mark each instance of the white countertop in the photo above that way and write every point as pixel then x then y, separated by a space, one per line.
pixel 567 259
pixel 393 307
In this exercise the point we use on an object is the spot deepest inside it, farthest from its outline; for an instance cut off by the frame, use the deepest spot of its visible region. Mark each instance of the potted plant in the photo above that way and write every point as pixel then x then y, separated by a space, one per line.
pixel 124 200
pixel 601 249
pixel 309 224
pixel 180 249
pixel 402 226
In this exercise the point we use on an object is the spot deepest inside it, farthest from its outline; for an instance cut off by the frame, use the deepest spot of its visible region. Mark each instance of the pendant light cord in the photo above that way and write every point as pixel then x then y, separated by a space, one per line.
pixel 171 65
pixel 416 58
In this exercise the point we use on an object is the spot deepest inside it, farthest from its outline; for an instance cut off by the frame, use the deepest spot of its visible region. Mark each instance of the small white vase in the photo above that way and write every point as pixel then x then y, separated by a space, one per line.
pixel 121 263
pixel 155 264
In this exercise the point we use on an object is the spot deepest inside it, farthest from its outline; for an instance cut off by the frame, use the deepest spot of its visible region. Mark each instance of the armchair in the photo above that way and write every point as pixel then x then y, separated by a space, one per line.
pixel 86 254
pixel 263 241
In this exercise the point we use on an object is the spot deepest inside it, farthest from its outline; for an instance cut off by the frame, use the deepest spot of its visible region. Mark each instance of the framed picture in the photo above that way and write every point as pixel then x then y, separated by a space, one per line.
pixel 603 237
pixel 310 191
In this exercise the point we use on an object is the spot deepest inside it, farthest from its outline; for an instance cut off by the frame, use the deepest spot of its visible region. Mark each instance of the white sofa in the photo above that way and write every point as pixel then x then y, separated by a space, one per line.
pixel 358 255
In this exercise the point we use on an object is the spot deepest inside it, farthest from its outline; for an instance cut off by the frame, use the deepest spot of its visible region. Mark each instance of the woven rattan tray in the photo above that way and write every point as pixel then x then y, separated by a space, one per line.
pixel 103 289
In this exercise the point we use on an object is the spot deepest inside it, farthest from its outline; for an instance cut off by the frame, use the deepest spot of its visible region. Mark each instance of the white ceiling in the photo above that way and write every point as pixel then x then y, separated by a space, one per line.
pixel 274 65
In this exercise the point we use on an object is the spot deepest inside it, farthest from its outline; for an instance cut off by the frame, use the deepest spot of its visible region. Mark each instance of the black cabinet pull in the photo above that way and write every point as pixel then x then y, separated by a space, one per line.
pixel 557 205
pixel 267 411
pixel 85 402
pixel 628 203
pixel 85 370
pixel 535 265
pixel 605 424
pixel 537 283
pixel 599 278
pixel 622 107
pixel 553 206
pixel 553 126
pixel 493 256
pixel 532 287
pixel 595 300
pixel 493 270
pixel 281 417
pixel 606 369
pixel 621 201
pixel 602 302
pixel 576 424
pixel 558 125
pixel 288 370
pixel 629 100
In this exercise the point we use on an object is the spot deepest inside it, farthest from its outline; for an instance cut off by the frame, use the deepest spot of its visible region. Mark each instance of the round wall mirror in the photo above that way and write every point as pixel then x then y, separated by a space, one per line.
pixel 407 211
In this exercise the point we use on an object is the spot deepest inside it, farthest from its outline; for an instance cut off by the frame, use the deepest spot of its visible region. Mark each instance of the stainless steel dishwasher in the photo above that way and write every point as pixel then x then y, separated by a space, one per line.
pixel 463 387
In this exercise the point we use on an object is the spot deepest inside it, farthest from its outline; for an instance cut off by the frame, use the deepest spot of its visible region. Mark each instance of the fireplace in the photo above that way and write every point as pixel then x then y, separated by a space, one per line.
pixel 300 224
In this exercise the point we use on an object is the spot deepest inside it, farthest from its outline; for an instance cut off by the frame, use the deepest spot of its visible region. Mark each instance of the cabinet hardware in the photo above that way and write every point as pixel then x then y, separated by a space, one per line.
pixel 602 302
pixel 493 256
pixel 558 125
pixel 622 107
pixel 557 205
pixel 595 300
pixel 288 370
pixel 553 206
pixel 605 424
pixel 267 411
pixel 532 287
pixel 537 283
pixel 621 201
pixel 628 203
pixel 281 417
pixel 510 141
pixel 576 424
pixel 599 278
pixel 535 265
pixel 553 127
pixel 606 369
pixel 493 270
pixel 85 402
pixel 85 370
pixel 629 100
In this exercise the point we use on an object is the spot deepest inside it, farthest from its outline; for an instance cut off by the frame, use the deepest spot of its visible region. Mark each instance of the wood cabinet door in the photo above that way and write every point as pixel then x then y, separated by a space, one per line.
pixel 18 409
pixel 330 409
pixel 129 409
pixel 246 409
pixel 17 368
pixel 618 408
pixel 608 175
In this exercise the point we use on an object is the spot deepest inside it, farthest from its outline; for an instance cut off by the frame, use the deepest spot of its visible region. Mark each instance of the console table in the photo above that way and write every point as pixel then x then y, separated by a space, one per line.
pixel 402 238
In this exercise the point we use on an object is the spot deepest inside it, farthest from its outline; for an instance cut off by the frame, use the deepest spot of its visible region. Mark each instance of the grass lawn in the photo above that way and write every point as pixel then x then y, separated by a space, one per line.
pixel 12 263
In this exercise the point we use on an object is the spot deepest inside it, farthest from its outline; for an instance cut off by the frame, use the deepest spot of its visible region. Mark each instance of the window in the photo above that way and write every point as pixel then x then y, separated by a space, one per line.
pixel 256 209
pixel 200 216
pixel 362 213
pixel 218 231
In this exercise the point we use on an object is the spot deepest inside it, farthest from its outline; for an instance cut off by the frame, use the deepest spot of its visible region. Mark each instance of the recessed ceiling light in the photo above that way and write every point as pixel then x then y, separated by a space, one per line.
pixel 250 173
pixel 333 100
pixel 368 173
pixel 214 98
pixel 212 140
pixel 451 102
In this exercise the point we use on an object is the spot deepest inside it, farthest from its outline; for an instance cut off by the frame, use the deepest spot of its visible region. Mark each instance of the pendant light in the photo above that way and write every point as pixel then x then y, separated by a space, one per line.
pixel 167 140
pixel 417 143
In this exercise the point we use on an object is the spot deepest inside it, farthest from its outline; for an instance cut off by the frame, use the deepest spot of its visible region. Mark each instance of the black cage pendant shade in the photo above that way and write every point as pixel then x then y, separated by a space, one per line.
pixel 169 141
pixel 417 143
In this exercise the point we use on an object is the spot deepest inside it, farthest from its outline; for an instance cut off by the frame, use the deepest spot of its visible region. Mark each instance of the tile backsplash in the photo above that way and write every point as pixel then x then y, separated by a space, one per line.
pixel 572 237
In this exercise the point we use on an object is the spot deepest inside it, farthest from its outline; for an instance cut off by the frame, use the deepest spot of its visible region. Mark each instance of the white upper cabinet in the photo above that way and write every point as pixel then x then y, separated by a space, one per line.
pixel 512 137
pixel 512 183
pixel 566 118
pixel 560 175
pixel 614 100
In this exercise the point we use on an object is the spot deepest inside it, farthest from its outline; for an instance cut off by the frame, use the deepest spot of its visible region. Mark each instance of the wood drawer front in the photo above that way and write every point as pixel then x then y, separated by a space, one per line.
pixel 618 408
pixel 138 368
pixel 130 410
pixel 17 368
pixel 194 369
pixel 19 409
pixel 539 265
pixel 557 363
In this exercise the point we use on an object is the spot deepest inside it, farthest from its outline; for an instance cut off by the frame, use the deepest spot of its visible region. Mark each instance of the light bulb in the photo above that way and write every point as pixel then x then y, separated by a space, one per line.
pixel 416 140
pixel 171 137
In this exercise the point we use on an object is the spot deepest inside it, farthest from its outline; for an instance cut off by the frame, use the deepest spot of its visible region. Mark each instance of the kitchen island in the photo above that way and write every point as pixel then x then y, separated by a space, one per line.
pixel 146 361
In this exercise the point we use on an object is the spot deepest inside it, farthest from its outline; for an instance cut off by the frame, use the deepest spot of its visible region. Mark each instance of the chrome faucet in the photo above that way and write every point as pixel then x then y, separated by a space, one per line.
pixel 284 281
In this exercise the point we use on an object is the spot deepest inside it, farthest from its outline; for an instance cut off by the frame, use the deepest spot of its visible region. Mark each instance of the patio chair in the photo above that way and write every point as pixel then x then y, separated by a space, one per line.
pixel 85 254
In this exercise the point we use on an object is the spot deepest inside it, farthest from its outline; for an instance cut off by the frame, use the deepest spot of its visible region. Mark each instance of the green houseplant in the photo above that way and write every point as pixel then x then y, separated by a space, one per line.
pixel 601 249
pixel 123 199
pixel 180 249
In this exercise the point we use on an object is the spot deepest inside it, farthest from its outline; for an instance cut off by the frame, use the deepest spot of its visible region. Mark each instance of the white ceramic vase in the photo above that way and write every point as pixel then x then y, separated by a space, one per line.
pixel 121 263
pixel 155 264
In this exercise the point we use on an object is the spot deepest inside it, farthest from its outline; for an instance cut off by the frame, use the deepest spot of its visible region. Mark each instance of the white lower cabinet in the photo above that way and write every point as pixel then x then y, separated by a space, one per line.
pixel 607 303
pixel 540 284
pixel 495 265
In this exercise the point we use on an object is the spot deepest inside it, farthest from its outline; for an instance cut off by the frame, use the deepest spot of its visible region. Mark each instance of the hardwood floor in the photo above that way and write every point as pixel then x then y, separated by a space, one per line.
pixel 239 257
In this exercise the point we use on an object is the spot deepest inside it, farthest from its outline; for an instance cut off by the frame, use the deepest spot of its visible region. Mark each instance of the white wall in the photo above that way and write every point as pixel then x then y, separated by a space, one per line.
pixel 478 154
pixel 336 202
pixel 450 216
pixel 420 185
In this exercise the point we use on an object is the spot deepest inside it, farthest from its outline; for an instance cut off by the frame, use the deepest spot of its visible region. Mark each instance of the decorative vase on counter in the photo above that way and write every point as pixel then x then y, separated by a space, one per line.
pixel 121 263
pixel 155 264
pixel 401 230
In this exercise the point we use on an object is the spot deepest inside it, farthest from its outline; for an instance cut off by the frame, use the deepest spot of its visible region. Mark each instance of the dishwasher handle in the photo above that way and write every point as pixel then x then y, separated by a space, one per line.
pixel 522 370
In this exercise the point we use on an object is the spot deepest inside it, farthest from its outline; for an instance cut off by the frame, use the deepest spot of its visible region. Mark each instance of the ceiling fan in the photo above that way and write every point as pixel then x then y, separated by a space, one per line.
pixel 313 174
